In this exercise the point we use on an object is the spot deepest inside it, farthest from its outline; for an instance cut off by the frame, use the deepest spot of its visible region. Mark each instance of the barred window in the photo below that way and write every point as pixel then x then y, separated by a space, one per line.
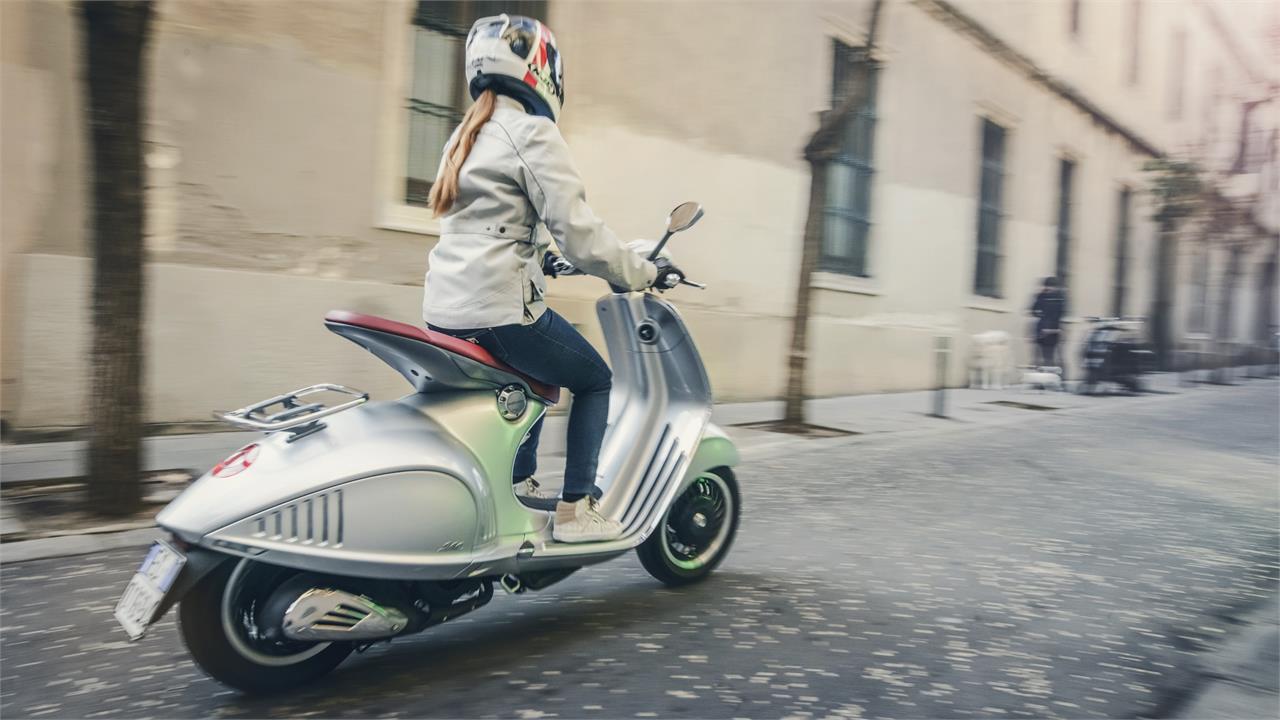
pixel 847 209
pixel 986 276
pixel 1135 42
pixel 1177 75
pixel 438 95
pixel 1120 286
pixel 1066 179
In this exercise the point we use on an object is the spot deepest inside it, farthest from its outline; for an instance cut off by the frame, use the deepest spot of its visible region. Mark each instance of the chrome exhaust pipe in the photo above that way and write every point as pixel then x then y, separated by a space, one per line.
pixel 323 614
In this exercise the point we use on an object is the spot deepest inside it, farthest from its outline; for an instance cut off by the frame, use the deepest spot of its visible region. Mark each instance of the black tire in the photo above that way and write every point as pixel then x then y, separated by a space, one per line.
pixel 658 554
pixel 204 632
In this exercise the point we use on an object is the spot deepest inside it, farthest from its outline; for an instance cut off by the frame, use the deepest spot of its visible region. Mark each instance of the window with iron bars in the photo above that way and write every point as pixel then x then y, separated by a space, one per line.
pixel 986 275
pixel 1120 285
pixel 438 95
pixel 1132 74
pixel 847 207
pixel 1178 65
pixel 1062 263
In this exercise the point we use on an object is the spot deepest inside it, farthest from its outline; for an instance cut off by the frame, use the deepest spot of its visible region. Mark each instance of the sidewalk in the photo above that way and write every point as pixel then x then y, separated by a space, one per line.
pixel 862 414
pixel 55 460
pixel 865 416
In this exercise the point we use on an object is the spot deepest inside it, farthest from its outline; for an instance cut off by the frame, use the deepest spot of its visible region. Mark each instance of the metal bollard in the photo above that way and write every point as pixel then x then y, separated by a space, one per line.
pixel 1223 360
pixel 941 356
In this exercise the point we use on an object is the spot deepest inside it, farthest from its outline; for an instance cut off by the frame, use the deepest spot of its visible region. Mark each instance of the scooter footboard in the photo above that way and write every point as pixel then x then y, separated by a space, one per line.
pixel 714 450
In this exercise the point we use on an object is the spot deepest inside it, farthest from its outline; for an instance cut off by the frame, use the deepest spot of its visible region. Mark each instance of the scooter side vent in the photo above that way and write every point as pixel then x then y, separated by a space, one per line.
pixel 313 520
pixel 323 614
pixel 342 617
pixel 657 476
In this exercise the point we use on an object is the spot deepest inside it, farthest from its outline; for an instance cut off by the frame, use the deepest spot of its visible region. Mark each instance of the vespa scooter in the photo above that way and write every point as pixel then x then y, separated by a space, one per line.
pixel 356 522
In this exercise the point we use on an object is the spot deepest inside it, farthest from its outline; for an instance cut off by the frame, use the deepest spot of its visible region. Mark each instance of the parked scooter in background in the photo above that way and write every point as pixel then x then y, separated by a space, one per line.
pixel 1115 352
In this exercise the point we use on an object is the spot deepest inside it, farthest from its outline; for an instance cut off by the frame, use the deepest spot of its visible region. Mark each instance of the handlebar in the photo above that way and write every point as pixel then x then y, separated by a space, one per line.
pixel 661 244
pixel 565 268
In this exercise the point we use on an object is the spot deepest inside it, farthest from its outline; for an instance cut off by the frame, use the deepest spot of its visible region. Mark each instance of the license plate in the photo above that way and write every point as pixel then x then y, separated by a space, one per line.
pixel 147 589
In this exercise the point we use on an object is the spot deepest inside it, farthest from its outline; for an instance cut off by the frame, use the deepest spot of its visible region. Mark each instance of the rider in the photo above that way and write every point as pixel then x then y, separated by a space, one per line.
pixel 505 169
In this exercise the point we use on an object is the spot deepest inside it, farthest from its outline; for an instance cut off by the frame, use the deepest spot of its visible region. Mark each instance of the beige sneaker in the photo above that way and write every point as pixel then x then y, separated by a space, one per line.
pixel 531 488
pixel 581 521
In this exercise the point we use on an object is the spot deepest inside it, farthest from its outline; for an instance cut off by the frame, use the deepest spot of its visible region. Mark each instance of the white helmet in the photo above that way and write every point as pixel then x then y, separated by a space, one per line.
pixel 516 56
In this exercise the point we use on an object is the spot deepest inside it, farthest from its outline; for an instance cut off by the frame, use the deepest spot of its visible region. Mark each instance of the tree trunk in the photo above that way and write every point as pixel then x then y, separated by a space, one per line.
pixel 1162 309
pixel 1264 318
pixel 797 360
pixel 822 146
pixel 1227 305
pixel 115 36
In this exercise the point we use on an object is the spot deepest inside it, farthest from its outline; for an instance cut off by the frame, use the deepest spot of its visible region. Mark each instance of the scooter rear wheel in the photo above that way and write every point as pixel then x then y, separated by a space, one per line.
pixel 217 623
pixel 696 533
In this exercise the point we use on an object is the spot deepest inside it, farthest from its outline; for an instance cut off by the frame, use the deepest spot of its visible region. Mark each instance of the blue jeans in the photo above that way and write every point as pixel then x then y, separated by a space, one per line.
pixel 552 351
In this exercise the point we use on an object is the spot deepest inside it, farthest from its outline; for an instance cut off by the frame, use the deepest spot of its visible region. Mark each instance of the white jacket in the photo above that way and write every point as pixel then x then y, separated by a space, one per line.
pixel 486 270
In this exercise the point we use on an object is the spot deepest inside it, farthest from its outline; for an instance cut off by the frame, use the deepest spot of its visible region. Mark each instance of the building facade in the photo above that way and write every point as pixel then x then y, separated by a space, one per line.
pixel 291 144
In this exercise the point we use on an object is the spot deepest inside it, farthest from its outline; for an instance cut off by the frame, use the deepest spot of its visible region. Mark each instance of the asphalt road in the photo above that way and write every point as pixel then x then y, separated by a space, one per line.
pixel 1069 566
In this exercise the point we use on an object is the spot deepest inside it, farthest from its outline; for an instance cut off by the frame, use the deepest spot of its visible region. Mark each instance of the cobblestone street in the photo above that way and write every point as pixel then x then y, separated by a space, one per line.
pixel 1073 565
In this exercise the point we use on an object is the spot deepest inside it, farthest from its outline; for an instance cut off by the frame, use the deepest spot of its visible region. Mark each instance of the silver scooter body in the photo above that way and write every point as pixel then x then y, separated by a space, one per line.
pixel 357 522
pixel 420 488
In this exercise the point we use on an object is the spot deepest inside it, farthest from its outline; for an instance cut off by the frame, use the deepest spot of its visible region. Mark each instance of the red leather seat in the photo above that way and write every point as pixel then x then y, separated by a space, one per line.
pixel 466 349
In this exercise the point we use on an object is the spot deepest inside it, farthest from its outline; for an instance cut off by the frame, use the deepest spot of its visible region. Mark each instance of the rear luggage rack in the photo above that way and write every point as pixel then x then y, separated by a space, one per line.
pixel 297 417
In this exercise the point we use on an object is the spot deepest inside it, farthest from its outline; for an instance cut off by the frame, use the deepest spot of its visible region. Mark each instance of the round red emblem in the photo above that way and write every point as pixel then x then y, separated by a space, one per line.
pixel 238 462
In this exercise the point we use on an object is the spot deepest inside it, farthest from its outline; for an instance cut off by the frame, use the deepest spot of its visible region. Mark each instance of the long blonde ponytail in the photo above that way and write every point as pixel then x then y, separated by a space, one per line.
pixel 444 191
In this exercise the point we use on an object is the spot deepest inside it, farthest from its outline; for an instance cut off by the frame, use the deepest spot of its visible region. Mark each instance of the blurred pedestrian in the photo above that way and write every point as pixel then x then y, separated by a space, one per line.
pixel 1049 305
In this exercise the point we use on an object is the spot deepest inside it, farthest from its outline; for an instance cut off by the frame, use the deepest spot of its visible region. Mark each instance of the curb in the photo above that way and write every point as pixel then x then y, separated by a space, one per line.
pixel 932 426
pixel 1239 679
pixel 68 545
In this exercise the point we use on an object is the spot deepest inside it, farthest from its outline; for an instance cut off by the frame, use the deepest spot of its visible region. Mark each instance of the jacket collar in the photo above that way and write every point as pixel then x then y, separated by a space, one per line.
pixel 506 101
pixel 509 102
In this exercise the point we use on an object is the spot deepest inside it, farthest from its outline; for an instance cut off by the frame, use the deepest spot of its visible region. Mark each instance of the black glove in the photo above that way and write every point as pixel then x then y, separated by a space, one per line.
pixel 554 266
pixel 668 275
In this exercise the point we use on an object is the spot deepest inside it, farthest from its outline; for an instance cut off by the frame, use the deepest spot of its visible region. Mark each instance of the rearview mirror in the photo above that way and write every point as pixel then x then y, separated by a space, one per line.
pixel 683 217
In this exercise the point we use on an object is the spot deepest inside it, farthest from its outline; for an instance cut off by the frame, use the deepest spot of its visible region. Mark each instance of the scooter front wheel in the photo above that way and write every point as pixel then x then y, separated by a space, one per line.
pixel 218 623
pixel 697 531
